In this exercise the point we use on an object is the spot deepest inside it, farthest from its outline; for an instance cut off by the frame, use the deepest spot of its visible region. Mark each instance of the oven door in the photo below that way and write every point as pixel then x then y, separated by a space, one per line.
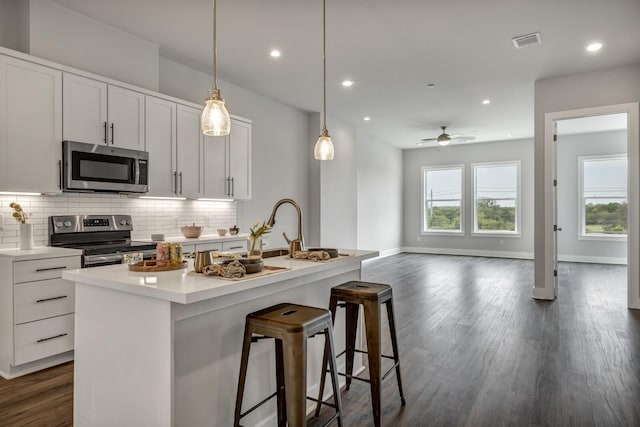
pixel 110 259
pixel 89 167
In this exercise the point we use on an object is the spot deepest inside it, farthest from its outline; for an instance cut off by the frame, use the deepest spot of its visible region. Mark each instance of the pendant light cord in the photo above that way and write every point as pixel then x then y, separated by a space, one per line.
pixel 215 76
pixel 324 66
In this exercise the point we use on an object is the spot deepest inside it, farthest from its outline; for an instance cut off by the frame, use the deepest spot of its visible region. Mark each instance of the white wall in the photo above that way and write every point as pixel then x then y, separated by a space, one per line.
pixel 569 148
pixel 280 149
pixel 62 35
pixel 414 160
pixel 379 191
pixel 599 88
pixel 149 216
pixel 14 24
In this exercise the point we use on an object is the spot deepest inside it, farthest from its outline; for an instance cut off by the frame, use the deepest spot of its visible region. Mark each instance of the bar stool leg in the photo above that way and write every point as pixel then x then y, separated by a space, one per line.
pixel 330 352
pixel 281 396
pixel 394 344
pixel 333 304
pixel 351 332
pixel 246 344
pixel 295 379
pixel 374 349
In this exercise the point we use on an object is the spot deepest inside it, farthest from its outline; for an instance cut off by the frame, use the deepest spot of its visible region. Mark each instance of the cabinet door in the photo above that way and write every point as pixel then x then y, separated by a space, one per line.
pixel 160 134
pixel 30 126
pixel 84 110
pixel 126 118
pixel 216 176
pixel 189 153
pixel 240 159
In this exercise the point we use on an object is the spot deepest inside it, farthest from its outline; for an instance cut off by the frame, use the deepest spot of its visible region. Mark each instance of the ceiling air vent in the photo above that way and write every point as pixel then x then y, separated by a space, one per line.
pixel 526 40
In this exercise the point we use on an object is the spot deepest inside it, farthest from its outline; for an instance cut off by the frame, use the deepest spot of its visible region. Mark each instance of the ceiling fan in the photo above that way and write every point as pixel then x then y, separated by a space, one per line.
pixel 445 139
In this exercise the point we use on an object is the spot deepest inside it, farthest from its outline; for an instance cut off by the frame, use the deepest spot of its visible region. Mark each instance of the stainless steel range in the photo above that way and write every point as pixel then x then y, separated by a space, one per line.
pixel 103 239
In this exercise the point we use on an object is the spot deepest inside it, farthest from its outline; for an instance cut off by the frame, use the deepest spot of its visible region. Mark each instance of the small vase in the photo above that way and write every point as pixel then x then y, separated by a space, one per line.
pixel 254 247
pixel 26 236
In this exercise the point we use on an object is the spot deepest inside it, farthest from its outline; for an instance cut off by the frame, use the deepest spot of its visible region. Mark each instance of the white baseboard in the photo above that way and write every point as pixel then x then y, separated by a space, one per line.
pixel 592 259
pixel 469 252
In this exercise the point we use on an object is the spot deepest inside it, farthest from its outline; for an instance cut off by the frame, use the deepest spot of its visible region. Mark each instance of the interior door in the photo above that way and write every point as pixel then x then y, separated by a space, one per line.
pixel 556 227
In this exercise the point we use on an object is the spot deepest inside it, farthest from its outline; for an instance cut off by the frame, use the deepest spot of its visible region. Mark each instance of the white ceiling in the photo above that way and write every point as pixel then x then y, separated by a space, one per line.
pixel 391 49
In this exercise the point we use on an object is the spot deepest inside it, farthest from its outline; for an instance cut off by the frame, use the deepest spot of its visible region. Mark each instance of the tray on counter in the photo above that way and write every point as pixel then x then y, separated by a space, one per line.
pixel 151 266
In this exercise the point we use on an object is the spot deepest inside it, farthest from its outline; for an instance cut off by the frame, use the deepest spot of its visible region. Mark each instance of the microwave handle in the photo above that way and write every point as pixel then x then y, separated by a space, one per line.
pixel 137 172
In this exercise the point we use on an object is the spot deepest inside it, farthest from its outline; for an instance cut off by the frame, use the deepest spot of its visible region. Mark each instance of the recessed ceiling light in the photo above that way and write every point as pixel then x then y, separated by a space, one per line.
pixel 366 119
pixel 275 53
pixel 486 101
pixel 347 83
pixel 594 47
pixel 431 85
pixel 509 135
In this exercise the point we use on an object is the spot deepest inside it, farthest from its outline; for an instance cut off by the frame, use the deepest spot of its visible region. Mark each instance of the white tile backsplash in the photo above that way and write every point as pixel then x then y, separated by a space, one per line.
pixel 149 215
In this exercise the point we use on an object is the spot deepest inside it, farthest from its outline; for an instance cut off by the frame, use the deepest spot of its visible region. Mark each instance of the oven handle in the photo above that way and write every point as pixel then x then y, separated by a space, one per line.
pixel 90 260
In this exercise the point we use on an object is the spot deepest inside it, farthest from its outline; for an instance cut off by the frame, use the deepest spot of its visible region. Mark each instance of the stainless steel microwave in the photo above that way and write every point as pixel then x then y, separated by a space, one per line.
pixel 89 167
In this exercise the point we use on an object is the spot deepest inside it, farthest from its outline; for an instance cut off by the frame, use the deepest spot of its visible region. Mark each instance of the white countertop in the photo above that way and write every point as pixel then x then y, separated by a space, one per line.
pixel 41 252
pixel 178 286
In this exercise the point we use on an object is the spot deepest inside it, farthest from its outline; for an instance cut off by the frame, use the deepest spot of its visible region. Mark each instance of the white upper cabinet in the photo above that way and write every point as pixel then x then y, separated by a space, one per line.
pixel 125 110
pixel 189 152
pixel 98 113
pixel 160 131
pixel 240 159
pixel 227 163
pixel 30 126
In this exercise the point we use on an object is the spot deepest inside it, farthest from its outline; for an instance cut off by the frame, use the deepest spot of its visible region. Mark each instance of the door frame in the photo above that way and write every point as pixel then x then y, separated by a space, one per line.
pixel 633 193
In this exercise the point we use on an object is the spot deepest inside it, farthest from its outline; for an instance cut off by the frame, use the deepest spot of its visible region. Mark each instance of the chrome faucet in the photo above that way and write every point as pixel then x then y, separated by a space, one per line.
pixel 296 245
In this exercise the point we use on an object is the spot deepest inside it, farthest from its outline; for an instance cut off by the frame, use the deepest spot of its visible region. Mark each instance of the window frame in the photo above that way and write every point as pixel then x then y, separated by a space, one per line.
pixel 517 233
pixel 582 235
pixel 424 230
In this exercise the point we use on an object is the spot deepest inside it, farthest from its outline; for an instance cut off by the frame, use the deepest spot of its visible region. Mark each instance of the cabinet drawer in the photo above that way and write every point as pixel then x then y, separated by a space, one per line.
pixel 236 246
pixel 208 247
pixel 41 269
pixel 42 299
pixel 43 338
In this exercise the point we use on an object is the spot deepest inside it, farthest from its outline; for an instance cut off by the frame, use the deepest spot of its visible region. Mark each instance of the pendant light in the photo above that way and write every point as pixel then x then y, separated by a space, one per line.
pixel 323 149
pixel 215 119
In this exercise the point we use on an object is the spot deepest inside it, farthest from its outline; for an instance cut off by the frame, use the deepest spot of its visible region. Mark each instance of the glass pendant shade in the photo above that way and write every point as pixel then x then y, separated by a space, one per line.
pixel 215 118
pixel 444 141
pixel 323 149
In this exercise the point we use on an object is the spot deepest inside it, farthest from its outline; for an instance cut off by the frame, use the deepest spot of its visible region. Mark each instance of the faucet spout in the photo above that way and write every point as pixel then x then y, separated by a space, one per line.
pixel 297 244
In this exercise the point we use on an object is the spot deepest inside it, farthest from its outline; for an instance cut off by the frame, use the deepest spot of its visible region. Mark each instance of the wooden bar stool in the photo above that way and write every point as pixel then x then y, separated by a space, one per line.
pixel 290 325
pixel 371 296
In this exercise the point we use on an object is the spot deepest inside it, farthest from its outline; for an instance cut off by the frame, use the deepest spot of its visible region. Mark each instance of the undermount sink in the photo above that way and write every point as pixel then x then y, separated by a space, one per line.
pixel 271 253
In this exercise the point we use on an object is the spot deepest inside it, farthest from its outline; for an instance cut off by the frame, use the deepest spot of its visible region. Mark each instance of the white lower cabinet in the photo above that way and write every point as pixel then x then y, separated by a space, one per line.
pixel 36 313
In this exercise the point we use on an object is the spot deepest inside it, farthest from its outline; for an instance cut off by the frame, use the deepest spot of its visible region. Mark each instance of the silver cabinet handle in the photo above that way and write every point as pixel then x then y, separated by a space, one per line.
pixel 38 270
pixel 60 174
pixel 113 134
pixel 52 338
pixel 105 133
pixel 229 186
pixel 180 183
pixel 50 299
pixel 175 182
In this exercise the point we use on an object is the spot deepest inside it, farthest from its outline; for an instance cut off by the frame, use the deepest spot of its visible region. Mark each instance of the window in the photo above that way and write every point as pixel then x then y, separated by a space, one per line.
pixel 603 197
pixel 497 198
pixel 442 199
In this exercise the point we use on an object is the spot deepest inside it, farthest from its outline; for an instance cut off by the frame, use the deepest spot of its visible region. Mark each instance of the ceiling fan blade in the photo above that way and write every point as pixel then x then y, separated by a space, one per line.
pixel 456 135
pixel 428 139
pixel 463 138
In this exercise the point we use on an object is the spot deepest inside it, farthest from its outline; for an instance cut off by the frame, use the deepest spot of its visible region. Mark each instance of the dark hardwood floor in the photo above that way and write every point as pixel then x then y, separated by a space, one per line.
pixel 475 349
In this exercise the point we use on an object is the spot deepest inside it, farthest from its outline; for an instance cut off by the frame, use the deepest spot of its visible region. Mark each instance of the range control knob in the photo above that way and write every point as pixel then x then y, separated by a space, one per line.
pixel 59 224
pixel 67 224
pixel 123 222
pixel 128 223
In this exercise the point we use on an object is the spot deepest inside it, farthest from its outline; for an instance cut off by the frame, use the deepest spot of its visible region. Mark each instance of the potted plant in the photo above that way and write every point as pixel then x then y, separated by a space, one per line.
pixel 26 229
pixel 254 244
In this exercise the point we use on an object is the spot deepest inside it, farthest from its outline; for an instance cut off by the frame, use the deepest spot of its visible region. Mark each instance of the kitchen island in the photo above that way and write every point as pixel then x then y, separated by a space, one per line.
pixel 163 349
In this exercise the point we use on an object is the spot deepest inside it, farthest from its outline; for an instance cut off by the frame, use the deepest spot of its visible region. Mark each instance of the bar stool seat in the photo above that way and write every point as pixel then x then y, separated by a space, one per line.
pixel 290 325
pixel 351 295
